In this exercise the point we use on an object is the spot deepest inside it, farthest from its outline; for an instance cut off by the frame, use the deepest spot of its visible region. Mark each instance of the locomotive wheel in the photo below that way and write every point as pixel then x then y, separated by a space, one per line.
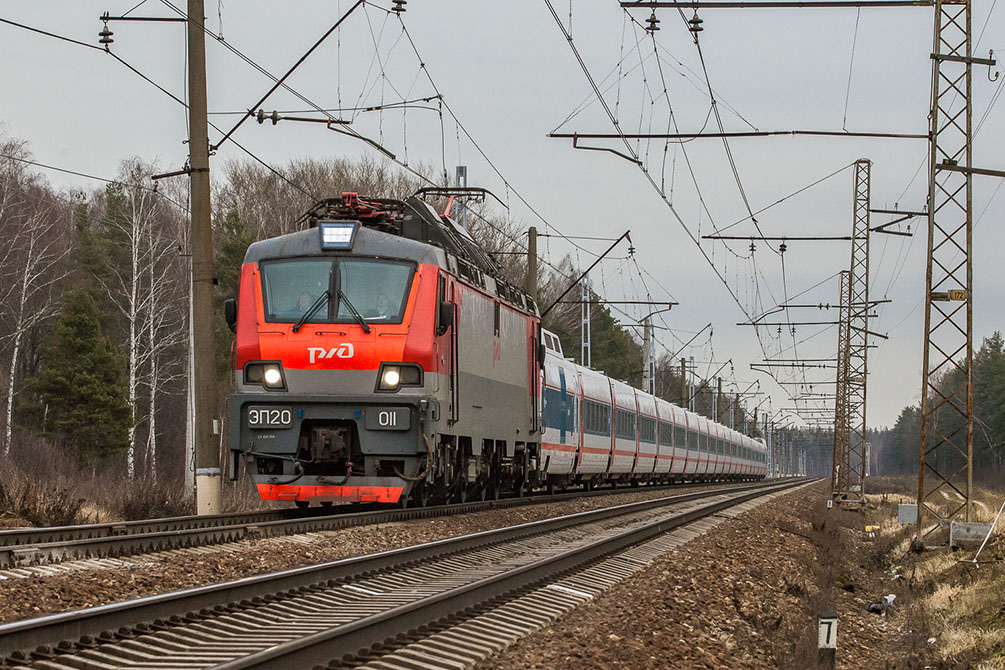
pixel 302 504
pixel 327 504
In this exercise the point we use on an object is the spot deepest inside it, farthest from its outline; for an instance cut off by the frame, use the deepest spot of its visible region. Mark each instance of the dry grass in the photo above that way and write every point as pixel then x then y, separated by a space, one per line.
pixel 997 663
pixel 241 496
pixel 962 605
pixel 963 643
pixel 140 499
pixel 26 501
pixel 42 485
pixel 965 604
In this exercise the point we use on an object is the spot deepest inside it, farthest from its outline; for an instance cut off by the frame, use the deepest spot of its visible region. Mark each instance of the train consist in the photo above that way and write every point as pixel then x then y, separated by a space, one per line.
pixel 381 356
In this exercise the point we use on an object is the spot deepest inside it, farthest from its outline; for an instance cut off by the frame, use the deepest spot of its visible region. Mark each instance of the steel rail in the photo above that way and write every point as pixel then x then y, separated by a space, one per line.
pixel 41 637
pixel 30 546
pixel 379 629
pixel 13 537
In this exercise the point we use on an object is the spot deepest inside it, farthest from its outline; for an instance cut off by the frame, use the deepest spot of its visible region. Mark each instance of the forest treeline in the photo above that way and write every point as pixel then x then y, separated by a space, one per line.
pixel 895 450
pixel 898 450
pixel 94 302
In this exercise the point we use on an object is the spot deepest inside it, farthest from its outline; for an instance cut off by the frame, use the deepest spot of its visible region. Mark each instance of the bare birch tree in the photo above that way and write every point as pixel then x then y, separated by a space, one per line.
pixel 34 248
pixel 138 273
pixel 165 325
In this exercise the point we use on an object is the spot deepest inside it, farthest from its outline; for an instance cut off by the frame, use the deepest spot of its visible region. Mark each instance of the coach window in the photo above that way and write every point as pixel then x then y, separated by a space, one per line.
pixel 497 319
pixel 647 429
pixel 666 434
pixel 596 420
pixel 626 425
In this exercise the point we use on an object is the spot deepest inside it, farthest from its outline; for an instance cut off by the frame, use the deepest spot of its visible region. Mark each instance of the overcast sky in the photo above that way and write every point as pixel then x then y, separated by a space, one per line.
pixel 507 73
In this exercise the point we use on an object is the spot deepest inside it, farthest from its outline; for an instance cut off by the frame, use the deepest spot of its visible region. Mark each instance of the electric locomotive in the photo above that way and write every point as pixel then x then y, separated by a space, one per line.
pixel 380 354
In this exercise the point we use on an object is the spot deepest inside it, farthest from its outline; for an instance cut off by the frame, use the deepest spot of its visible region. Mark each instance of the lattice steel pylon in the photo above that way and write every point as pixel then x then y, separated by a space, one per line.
pixel 858 337
pixel 946 449
pixel 848 472
pixel 839 470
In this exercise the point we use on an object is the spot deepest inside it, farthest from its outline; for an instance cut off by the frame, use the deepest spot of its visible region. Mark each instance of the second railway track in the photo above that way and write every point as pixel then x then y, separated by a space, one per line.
pixel 313 615
pixel 23 547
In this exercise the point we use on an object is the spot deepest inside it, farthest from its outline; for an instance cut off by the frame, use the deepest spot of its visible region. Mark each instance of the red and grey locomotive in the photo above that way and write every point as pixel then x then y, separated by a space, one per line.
pixel 381 356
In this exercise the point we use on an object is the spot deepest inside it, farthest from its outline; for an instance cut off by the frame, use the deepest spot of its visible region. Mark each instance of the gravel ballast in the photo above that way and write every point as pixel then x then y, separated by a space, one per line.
pixel 745 595
pixel 23 598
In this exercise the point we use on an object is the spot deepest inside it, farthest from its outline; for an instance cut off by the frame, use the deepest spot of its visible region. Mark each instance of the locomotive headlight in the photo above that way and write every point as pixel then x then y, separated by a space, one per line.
pixel 393 376
pixel 269 375
pixel 273 377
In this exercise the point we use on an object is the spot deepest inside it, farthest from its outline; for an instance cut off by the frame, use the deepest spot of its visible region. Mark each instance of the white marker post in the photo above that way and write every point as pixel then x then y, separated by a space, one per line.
pixel 827 634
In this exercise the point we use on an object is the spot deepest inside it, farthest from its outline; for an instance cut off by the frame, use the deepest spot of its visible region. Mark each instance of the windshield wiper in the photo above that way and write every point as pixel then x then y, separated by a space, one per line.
pixel 322 299
pixel 356 315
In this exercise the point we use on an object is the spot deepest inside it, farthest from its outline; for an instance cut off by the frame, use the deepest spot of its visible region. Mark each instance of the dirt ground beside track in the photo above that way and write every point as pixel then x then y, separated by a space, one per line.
pixel 23 598
pixel 746 595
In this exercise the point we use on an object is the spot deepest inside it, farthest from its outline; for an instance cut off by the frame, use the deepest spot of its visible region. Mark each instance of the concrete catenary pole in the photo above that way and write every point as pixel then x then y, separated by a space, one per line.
pixel 647 354
pixel 683 383
pixel 585 347
pixel 532 262
pixel 207 473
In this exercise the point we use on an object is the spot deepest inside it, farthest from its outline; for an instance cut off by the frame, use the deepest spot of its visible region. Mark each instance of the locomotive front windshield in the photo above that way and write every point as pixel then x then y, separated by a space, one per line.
pixel 377 289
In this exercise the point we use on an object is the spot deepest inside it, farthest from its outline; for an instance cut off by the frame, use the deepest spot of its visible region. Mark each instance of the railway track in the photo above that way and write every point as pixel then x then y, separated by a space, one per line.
pixel 339 611
pixel 24 547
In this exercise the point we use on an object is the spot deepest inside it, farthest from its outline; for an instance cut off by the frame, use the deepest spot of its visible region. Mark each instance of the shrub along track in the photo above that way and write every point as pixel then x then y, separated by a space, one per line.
pixel 292 619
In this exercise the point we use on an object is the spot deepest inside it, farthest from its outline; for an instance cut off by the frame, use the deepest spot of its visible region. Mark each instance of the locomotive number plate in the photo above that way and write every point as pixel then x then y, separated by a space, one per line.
pixel 270 417
pixel 387 418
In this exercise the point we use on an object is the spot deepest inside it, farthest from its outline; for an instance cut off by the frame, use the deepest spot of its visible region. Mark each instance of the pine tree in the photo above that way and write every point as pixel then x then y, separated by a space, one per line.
pixel 81 390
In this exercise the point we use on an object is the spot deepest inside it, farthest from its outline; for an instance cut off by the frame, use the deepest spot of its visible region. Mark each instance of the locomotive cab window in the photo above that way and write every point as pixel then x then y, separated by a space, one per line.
pixel 377 289
pixel 290 288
